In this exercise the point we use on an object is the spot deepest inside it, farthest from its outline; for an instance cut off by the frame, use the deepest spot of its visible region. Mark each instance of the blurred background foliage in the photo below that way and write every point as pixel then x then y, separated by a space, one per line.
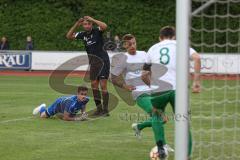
pixel 48 21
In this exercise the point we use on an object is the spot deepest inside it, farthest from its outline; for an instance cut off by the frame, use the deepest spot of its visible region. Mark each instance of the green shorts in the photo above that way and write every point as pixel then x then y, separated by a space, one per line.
pixel 160 100
pixel 156 100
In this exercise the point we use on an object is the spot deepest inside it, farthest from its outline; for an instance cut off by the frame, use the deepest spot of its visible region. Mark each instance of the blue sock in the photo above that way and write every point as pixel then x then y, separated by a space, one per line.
pixel 43 109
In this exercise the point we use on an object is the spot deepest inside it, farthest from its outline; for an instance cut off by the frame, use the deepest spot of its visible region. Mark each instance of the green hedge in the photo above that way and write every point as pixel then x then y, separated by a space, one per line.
pixel 47 21
pixel 217 34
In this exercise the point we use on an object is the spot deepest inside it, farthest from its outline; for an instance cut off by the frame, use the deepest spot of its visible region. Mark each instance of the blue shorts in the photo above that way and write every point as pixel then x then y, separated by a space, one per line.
pixel 51 110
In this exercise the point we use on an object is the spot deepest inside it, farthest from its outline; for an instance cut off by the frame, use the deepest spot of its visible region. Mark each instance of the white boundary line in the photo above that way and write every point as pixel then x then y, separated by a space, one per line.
pixel 31 117
pixel 97 118
pixel 15 120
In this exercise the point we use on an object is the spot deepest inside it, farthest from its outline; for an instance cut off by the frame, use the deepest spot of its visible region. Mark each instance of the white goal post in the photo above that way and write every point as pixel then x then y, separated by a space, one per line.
pixel 214 28
pixel 182 100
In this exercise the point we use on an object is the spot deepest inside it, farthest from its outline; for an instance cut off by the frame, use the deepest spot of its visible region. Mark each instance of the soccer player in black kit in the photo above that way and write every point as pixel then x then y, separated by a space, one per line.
pixel 98 59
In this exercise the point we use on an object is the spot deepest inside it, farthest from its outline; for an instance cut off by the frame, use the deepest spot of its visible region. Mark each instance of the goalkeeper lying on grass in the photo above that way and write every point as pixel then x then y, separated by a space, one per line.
pixel 66 107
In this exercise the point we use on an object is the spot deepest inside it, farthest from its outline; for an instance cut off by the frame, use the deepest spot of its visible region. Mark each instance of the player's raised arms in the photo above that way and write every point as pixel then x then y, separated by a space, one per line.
pixel 102 26
pixel 71 35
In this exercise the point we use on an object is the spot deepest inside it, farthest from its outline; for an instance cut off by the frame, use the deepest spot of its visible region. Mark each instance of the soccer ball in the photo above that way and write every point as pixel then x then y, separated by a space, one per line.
pixel 154 153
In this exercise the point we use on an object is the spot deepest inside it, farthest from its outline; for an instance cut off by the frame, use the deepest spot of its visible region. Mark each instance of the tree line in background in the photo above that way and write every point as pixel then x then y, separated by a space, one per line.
pixel 47 21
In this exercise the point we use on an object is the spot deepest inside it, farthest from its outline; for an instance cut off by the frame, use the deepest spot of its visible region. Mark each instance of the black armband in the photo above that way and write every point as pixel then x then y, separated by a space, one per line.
pixel 147 67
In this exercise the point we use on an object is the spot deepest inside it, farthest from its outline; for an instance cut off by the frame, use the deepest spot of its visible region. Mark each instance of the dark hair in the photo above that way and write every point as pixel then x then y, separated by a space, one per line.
pixel 82 88
pixel 84 19
pixel 127 37
pixel 167 32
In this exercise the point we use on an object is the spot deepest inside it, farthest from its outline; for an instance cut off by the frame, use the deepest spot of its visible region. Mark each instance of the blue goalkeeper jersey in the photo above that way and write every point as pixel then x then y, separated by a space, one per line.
pixel 69 104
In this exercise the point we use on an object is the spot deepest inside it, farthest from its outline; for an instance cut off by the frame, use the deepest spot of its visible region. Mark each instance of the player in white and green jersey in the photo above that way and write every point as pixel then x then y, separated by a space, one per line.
pixel 164 53
pixel 126 72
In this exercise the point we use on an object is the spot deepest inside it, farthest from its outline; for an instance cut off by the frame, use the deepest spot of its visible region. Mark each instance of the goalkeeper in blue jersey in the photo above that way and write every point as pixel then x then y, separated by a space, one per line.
pixel 66 107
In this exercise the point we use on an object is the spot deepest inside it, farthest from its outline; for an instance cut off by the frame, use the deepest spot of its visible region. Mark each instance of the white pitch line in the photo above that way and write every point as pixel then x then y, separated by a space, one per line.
pixel 15 120
pixel 26 118
pixel 97 118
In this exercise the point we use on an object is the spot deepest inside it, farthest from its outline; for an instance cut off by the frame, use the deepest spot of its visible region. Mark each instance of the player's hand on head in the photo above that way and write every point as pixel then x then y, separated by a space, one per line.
pixel 88 18
pixel 80 21
pixel 129 87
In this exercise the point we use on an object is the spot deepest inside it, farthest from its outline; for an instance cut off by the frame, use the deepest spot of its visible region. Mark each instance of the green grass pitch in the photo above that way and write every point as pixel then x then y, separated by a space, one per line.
pixel 214 112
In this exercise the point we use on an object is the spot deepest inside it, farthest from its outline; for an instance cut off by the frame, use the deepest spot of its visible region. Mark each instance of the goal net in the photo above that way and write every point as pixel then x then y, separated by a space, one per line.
pixel 215 112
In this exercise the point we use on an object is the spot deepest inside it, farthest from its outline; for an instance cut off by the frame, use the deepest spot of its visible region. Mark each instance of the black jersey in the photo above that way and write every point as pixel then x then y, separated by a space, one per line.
pixel 94 43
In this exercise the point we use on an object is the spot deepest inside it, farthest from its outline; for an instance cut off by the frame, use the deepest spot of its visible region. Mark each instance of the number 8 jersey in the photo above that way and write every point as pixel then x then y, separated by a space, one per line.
pixel 165 53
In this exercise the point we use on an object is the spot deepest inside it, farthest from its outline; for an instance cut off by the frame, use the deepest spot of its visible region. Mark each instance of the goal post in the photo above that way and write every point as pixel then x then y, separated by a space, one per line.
pixel 214 28
pixel 215 34
pixel 182 98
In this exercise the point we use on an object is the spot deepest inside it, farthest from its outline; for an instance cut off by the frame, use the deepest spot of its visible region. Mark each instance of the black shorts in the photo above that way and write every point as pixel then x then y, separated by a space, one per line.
pixel 100 69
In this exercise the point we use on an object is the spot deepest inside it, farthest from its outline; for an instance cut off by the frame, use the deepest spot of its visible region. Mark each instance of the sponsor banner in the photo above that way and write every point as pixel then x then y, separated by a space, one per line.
pixel 210 63
pixel 53 60
pixel 15 60
pixel 42 60
pixel 48 60
pixel 219 63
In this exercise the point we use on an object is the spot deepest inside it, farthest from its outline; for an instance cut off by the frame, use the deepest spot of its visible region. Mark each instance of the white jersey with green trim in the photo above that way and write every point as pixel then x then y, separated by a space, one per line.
pixel 130 66
pixel 164 53
pixel 138 58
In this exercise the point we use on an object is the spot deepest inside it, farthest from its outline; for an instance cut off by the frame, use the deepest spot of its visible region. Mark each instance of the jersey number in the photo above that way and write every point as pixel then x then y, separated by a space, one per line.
pixel 164 56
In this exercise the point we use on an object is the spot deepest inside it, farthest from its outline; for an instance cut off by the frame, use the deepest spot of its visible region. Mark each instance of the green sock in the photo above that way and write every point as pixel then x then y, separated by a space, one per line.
pixel 158 128
pixel 189 143
pixel 145 124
